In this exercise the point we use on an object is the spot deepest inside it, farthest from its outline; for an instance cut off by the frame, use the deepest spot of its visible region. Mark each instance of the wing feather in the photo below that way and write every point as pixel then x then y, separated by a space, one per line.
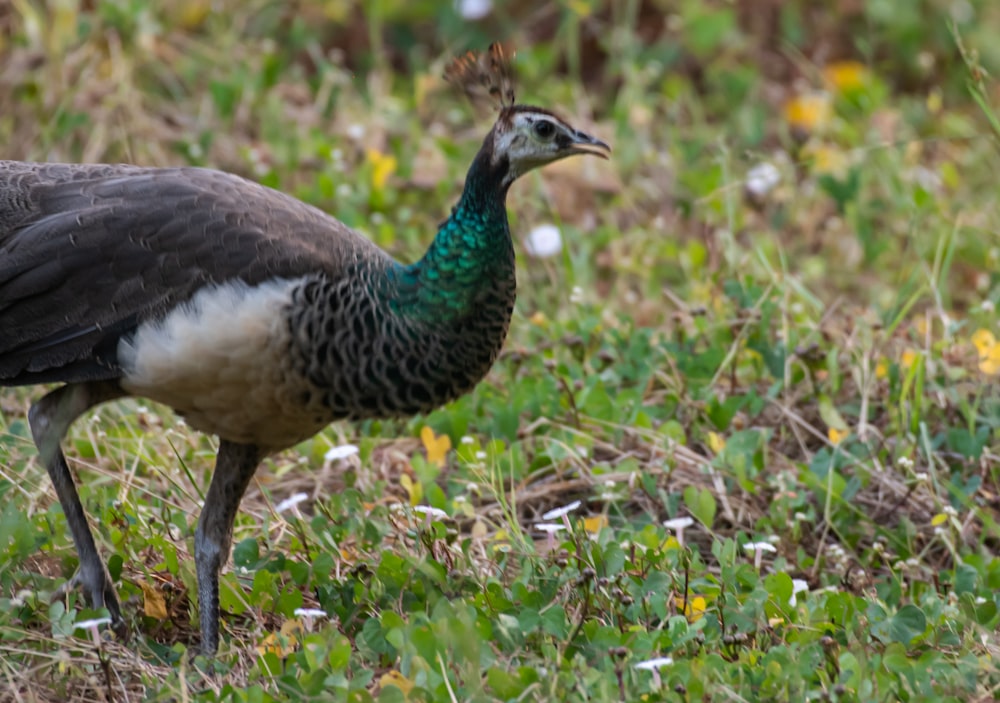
pixel 89 252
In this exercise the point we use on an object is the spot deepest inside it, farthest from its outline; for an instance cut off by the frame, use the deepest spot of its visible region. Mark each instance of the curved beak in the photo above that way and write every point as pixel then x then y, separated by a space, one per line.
pixel 583 143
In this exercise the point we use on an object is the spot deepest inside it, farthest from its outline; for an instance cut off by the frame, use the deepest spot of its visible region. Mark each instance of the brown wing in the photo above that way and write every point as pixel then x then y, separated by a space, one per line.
pixel 88 252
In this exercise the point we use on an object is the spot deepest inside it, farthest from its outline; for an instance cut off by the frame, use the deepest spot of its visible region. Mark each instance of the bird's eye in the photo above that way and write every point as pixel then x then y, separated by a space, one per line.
pixel 544 129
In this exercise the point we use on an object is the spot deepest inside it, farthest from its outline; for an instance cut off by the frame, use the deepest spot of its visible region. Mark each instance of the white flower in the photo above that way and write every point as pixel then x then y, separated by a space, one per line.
pixel 759 547
pixel 91 624
pixel 925 178
pixel 341 452
pixel 290 502
pixel 550 527
pixel 678 523
pixel 798 586
pixel 356 131
pixel 653 664
pixel 543 242
pixel 576 295
pixel 557 513
pixel 430 511
pixel 473 10
pixel 310 613
pixel 21 597
pixel 466 439
pixel 762 179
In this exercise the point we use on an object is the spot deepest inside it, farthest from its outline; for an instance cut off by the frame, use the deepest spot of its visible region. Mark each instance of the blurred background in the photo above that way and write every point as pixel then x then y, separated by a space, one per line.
pixel 773 311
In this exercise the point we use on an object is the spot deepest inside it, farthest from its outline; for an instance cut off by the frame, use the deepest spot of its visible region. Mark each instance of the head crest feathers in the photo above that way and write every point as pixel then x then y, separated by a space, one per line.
pixel 485 77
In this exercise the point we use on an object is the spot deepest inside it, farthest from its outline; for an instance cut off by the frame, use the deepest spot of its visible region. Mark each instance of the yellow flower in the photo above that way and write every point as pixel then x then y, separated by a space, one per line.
pixel 716 442
pixel 539 319
pixel 836 436
pixel 694 608
pixel 908 359
pixel 845 76
pixel 437 447
pixel 383 166
pixel 989 352
pixel 882 368
pixel 983 340
pixel 396 678
pixel 826 159
pixel 809 112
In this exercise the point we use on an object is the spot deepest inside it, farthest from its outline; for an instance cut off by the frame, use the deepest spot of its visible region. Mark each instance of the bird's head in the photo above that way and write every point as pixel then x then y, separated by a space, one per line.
pixel 530 137
pixel 523 137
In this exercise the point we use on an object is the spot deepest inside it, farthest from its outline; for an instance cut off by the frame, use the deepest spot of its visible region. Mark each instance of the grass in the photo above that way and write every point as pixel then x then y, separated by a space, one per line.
pixel 811 366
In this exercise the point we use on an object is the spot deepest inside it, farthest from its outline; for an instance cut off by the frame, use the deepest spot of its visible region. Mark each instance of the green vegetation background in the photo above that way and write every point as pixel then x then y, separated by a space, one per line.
pixel 773 312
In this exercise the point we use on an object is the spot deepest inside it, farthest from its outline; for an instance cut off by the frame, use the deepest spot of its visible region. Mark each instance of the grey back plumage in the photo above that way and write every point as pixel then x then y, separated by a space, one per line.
pixel 87 252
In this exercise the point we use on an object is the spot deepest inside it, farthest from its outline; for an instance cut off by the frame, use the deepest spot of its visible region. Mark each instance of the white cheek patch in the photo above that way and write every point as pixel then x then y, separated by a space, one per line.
pixel 221 360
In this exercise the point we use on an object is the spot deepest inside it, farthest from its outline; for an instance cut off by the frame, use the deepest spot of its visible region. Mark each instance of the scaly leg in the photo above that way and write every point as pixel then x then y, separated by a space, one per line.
pixel 49 419
pixel 234 467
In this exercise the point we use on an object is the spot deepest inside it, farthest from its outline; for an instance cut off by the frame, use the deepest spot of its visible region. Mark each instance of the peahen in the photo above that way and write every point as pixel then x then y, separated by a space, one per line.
pixel 256 317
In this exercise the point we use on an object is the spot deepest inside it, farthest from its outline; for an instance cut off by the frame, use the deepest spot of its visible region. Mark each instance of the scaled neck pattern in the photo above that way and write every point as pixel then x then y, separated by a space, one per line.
pixel 400 340
pixel 471 261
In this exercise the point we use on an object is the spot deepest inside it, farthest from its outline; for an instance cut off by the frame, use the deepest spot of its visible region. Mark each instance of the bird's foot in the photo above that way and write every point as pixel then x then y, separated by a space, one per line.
pixel 100 593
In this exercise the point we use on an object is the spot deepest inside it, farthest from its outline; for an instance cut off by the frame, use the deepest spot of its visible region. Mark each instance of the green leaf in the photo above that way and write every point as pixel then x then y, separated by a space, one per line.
pixel 908 623
pixel 779 587
pixel 830 415
pixel 701 504
pixel 722 413
pixel 115 564
pixel 289 601
pixel 246 553
pixel 340 653
pixel 614 559
pixel 554 622
pixel 895 659
pixel 503 684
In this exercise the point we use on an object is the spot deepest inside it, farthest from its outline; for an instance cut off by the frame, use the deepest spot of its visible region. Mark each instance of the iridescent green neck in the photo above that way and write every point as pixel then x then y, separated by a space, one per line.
pixel 471 256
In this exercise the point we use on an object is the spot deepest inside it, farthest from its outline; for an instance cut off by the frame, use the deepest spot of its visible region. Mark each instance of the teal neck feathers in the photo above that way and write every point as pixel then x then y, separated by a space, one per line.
pixel 472 254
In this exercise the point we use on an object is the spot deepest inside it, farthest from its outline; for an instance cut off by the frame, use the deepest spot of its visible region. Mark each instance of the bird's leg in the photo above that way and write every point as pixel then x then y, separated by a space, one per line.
pixel 49 419
pixel 234 467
